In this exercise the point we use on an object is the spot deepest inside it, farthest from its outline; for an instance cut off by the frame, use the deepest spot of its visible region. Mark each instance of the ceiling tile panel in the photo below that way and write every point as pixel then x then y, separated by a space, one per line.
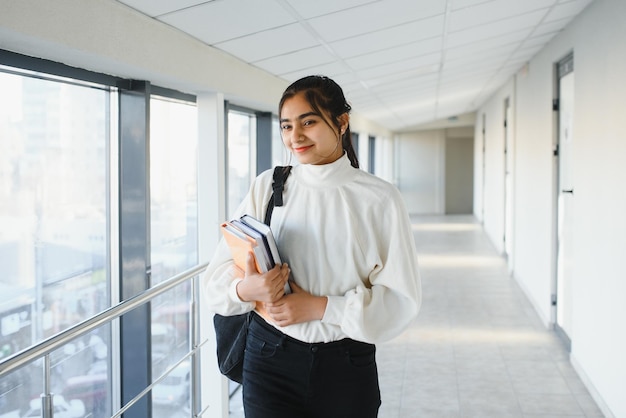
pixel 308 9
pixel 417 66
pixel 492 11
pixel 462 4
pixel 551 27
pixel 221 20
pixel 372 17
pixel 359 94
pixel 428 31
pixel 566 10
pixel 524 54
pixel 392 95
pixel 355 89
pixel 403 81
pixel 393 55
pixel 420 8
pixel 298 60
pixel 390 86
pixel 421 97
pixel 470 70
pixel 345 78
pixel 469 81
pixel 521 25
pixel 269 43
pixel 471 73
pixel 537 41
pixel 505 43
pixel 360 105
pixel 382 113
pixel 411 105
pixel 155 8
pixel 333 70
pixel 479 58
pixel 473 81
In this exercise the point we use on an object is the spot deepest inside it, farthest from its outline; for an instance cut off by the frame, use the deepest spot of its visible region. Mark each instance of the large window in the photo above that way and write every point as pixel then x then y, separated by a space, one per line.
pixel 98 203
pixel 174 244
pixel 241 150
pixel 54 137
pixel 280 154
pixel 371 154
pixel 173 187
pixel 73 181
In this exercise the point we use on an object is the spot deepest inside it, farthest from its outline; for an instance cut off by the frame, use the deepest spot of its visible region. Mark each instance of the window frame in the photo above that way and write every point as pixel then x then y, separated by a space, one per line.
pixel 129 109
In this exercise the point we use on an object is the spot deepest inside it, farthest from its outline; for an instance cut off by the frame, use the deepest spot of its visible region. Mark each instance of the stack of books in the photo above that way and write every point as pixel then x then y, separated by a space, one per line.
pixel 248 234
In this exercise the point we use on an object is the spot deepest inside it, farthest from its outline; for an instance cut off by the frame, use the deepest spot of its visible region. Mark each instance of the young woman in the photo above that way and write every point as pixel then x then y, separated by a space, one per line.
pixel 350 259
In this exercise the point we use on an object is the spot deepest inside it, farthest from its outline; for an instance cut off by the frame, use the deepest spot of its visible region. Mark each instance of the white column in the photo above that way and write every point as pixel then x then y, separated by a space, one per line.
pixel 364 150
pixel 211 212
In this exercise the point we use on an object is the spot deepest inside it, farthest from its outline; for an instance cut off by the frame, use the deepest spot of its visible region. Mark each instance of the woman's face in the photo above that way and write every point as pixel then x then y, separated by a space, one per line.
pixel 306 134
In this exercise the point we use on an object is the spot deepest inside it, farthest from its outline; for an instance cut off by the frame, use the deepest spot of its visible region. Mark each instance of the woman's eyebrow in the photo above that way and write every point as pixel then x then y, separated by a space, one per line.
pixel 302 116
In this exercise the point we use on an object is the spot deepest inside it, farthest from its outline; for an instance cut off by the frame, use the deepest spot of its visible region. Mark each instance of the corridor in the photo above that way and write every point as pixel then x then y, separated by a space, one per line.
pixel 478 348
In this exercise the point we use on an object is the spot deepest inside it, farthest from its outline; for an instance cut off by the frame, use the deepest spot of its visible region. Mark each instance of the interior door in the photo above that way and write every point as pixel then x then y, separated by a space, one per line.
pixel 484 167
pixel 508 184
pixel 564 291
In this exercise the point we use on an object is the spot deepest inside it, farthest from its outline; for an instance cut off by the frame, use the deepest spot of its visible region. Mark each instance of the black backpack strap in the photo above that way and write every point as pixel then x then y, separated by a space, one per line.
pixel 280 177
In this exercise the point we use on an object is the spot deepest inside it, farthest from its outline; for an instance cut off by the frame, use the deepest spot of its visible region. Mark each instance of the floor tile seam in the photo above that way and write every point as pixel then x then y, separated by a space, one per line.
pixel 403 377
pixel 510 379
pixel 577 396
pixel 518 393
pixel 456 377
pixel 596 414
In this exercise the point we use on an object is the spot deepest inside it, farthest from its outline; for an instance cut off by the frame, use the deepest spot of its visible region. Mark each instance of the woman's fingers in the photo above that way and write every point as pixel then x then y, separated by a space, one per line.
pixel 271 285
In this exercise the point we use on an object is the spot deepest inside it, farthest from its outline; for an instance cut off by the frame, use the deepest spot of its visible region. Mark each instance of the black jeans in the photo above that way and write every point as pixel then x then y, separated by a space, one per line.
pixel 286 378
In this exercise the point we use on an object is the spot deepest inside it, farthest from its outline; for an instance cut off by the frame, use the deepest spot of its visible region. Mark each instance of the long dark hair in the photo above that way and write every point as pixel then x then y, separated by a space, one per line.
pixel 326 98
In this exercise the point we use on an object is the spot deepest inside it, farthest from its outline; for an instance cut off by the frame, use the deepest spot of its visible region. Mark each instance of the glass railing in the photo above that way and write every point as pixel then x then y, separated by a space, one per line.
pixel 178 384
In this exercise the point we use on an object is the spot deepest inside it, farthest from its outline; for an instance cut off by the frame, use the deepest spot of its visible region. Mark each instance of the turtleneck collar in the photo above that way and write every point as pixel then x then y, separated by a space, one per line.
pixel 326 175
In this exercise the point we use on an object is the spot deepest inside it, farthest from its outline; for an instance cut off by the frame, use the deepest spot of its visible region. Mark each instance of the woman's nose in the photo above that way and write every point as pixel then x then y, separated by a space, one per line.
pixel 296 132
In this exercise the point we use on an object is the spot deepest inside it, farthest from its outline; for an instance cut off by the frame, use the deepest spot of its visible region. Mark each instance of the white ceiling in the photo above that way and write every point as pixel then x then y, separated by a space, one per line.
pixel 402 63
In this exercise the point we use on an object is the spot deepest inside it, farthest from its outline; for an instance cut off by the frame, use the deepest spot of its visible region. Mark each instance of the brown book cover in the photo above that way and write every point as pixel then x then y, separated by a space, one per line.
pixel 240 245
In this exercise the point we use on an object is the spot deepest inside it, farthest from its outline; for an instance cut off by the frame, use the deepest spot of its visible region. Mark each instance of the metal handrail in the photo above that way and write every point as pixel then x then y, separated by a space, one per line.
pixel 50 344
pixel 158 380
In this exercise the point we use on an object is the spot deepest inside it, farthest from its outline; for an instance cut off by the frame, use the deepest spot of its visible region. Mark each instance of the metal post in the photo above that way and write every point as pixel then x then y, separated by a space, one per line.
pixel 47 410
pixel 194 335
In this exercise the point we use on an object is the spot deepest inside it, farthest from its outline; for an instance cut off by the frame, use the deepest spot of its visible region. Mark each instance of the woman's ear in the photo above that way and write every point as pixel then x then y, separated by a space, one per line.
pixel 344 120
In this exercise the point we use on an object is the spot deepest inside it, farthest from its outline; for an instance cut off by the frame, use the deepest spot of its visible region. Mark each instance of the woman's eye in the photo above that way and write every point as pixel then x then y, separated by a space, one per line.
pixel 285 127
pixel 308 122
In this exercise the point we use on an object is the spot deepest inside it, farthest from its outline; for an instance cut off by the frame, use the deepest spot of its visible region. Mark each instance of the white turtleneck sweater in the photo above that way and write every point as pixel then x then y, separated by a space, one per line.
pixel 346 235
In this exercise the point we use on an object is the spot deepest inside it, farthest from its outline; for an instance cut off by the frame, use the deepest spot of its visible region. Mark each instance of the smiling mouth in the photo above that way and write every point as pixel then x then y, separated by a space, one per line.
pixel 302 149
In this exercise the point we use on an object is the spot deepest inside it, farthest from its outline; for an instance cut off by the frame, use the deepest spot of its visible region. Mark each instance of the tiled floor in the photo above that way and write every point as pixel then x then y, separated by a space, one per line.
pixel 477 348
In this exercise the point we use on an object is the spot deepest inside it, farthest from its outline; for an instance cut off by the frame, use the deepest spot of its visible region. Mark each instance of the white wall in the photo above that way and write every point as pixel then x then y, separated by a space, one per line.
pixel 599 343
pixel 597 38
pixel 385 159
pixel 420 170
pixel 459 171
pixel 490 183
pixel 384 146
pixel 479 162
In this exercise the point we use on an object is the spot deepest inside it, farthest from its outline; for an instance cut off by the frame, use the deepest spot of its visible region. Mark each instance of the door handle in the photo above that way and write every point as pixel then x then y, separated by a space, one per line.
pixel 570 191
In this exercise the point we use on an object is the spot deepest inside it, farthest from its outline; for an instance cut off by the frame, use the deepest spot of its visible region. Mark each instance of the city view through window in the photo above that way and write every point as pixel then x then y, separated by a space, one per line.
pixel 53 234
pixel 56 246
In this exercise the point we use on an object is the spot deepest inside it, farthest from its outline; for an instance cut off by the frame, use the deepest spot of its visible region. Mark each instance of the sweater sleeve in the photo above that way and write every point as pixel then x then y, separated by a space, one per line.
pixel 390 299
pixel 220 279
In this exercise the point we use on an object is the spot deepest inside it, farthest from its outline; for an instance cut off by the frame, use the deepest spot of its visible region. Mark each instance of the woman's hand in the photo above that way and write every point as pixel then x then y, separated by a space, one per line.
pixel 296 307
pixel 266 287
